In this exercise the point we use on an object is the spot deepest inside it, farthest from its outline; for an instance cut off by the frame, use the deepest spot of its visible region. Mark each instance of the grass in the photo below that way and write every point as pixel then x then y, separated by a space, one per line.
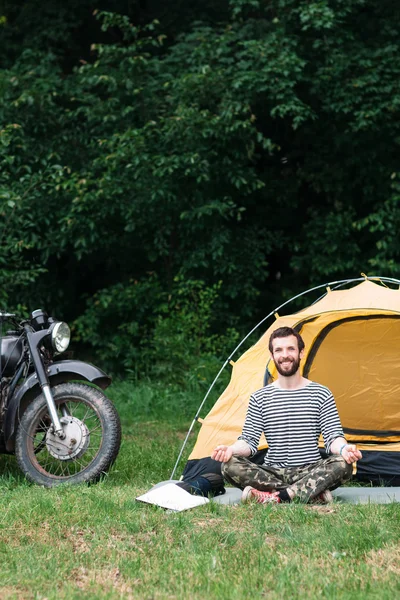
pixel 98 542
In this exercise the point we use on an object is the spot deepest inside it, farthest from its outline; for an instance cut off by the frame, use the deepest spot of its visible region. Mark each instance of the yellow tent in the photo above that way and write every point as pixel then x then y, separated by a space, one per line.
pixel 352 345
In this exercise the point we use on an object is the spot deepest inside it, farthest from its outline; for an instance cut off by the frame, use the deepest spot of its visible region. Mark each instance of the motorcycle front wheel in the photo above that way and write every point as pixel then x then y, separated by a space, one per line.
pixel 90 445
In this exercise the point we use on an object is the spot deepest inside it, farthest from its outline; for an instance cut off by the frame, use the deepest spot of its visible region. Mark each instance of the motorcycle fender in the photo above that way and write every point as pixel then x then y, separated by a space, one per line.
pixel 58 372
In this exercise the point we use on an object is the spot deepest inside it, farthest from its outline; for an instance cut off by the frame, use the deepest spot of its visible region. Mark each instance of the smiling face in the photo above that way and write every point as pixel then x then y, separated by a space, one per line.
pixel 286 355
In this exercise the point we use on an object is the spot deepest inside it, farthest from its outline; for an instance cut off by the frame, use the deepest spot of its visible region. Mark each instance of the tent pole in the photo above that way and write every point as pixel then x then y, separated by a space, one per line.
pixel 197 415
pixel 318 287
pixel 182 448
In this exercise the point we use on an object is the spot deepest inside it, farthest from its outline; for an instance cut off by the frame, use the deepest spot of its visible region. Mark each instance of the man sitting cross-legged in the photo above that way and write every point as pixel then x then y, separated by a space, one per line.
pixel 291 412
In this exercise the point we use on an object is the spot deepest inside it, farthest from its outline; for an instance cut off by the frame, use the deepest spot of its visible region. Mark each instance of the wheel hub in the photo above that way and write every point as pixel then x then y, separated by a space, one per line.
pixel 75 442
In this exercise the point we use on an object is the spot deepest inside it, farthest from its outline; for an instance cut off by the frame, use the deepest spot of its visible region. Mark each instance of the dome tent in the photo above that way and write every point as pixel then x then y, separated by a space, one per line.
pixel 352 346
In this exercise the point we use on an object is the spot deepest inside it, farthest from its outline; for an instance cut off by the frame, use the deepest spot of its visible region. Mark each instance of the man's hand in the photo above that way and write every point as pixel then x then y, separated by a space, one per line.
pixel 222 453
pixel 350 453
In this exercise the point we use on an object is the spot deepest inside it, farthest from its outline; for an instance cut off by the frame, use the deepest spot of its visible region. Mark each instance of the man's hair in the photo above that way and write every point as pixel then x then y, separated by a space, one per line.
pixel 283 332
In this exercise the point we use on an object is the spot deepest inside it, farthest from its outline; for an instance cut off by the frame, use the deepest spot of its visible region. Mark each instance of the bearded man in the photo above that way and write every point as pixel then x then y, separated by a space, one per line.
pixel 292 412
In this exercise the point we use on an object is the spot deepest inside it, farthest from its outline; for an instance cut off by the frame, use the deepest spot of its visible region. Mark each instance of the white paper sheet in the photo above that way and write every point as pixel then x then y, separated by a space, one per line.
pixel 172 497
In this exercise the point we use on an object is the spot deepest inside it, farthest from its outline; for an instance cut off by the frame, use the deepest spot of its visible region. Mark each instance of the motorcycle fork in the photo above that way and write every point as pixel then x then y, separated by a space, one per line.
pixel 58 430
pixel 34 339
pixel 64 410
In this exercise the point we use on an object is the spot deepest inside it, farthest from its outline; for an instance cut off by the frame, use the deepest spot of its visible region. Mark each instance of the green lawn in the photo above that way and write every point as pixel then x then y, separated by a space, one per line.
pixel 97 542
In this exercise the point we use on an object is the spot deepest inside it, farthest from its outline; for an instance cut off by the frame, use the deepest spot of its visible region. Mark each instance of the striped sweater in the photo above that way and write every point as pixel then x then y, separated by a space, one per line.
pixel 292 421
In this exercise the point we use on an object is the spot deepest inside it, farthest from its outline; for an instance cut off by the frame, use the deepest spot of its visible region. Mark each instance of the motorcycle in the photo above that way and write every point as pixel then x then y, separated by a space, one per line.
pixel 54 415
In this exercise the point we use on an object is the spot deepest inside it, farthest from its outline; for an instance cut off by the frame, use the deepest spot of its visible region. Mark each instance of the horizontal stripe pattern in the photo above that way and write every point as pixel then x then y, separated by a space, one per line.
pixel 292 421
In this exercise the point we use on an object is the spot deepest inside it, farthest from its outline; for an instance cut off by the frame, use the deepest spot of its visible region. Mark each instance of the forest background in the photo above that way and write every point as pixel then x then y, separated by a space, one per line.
pixel 172 171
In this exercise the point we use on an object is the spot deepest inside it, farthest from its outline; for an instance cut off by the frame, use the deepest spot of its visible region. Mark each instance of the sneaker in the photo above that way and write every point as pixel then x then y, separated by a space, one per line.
pixel 325 497
pixel 250 493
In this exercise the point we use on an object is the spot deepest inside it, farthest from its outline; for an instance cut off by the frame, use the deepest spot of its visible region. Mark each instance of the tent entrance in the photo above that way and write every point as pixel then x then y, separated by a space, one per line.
pixel 357 358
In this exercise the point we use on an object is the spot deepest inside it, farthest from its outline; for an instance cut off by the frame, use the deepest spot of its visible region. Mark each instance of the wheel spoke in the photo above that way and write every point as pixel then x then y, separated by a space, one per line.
pixel 95 429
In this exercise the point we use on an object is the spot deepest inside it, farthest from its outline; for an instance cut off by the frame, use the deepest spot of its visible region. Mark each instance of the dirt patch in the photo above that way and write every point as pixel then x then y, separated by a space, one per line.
pixel 44 534
pixel 77 539
pixel 272 541
pixel 385 559
pixel 87 579
pixel 116 538
pixel 8 593
pixel 206 523
pixel 323 509
pixel 23 535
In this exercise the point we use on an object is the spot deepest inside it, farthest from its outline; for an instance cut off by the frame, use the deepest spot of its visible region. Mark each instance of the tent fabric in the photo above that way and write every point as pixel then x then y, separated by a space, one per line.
pixel 352 341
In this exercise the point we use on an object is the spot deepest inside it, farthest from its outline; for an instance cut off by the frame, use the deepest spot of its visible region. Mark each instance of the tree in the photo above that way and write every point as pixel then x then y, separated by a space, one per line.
pixel 256 147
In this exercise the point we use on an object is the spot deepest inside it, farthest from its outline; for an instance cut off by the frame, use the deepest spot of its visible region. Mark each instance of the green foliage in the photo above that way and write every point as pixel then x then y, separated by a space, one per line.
pixel 248 143
pixel 182 344
pixel 118 319
pixel 168 336
pixel 383 226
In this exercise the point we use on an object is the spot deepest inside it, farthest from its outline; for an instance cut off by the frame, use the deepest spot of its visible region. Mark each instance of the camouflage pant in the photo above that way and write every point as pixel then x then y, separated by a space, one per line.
pixel 306 482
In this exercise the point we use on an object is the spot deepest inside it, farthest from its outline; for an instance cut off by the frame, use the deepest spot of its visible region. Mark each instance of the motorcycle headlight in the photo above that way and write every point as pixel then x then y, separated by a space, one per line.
pixel 60 336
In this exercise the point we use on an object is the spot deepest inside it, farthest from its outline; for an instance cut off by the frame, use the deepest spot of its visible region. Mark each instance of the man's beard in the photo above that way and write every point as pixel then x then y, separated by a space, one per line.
pixel 295 363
